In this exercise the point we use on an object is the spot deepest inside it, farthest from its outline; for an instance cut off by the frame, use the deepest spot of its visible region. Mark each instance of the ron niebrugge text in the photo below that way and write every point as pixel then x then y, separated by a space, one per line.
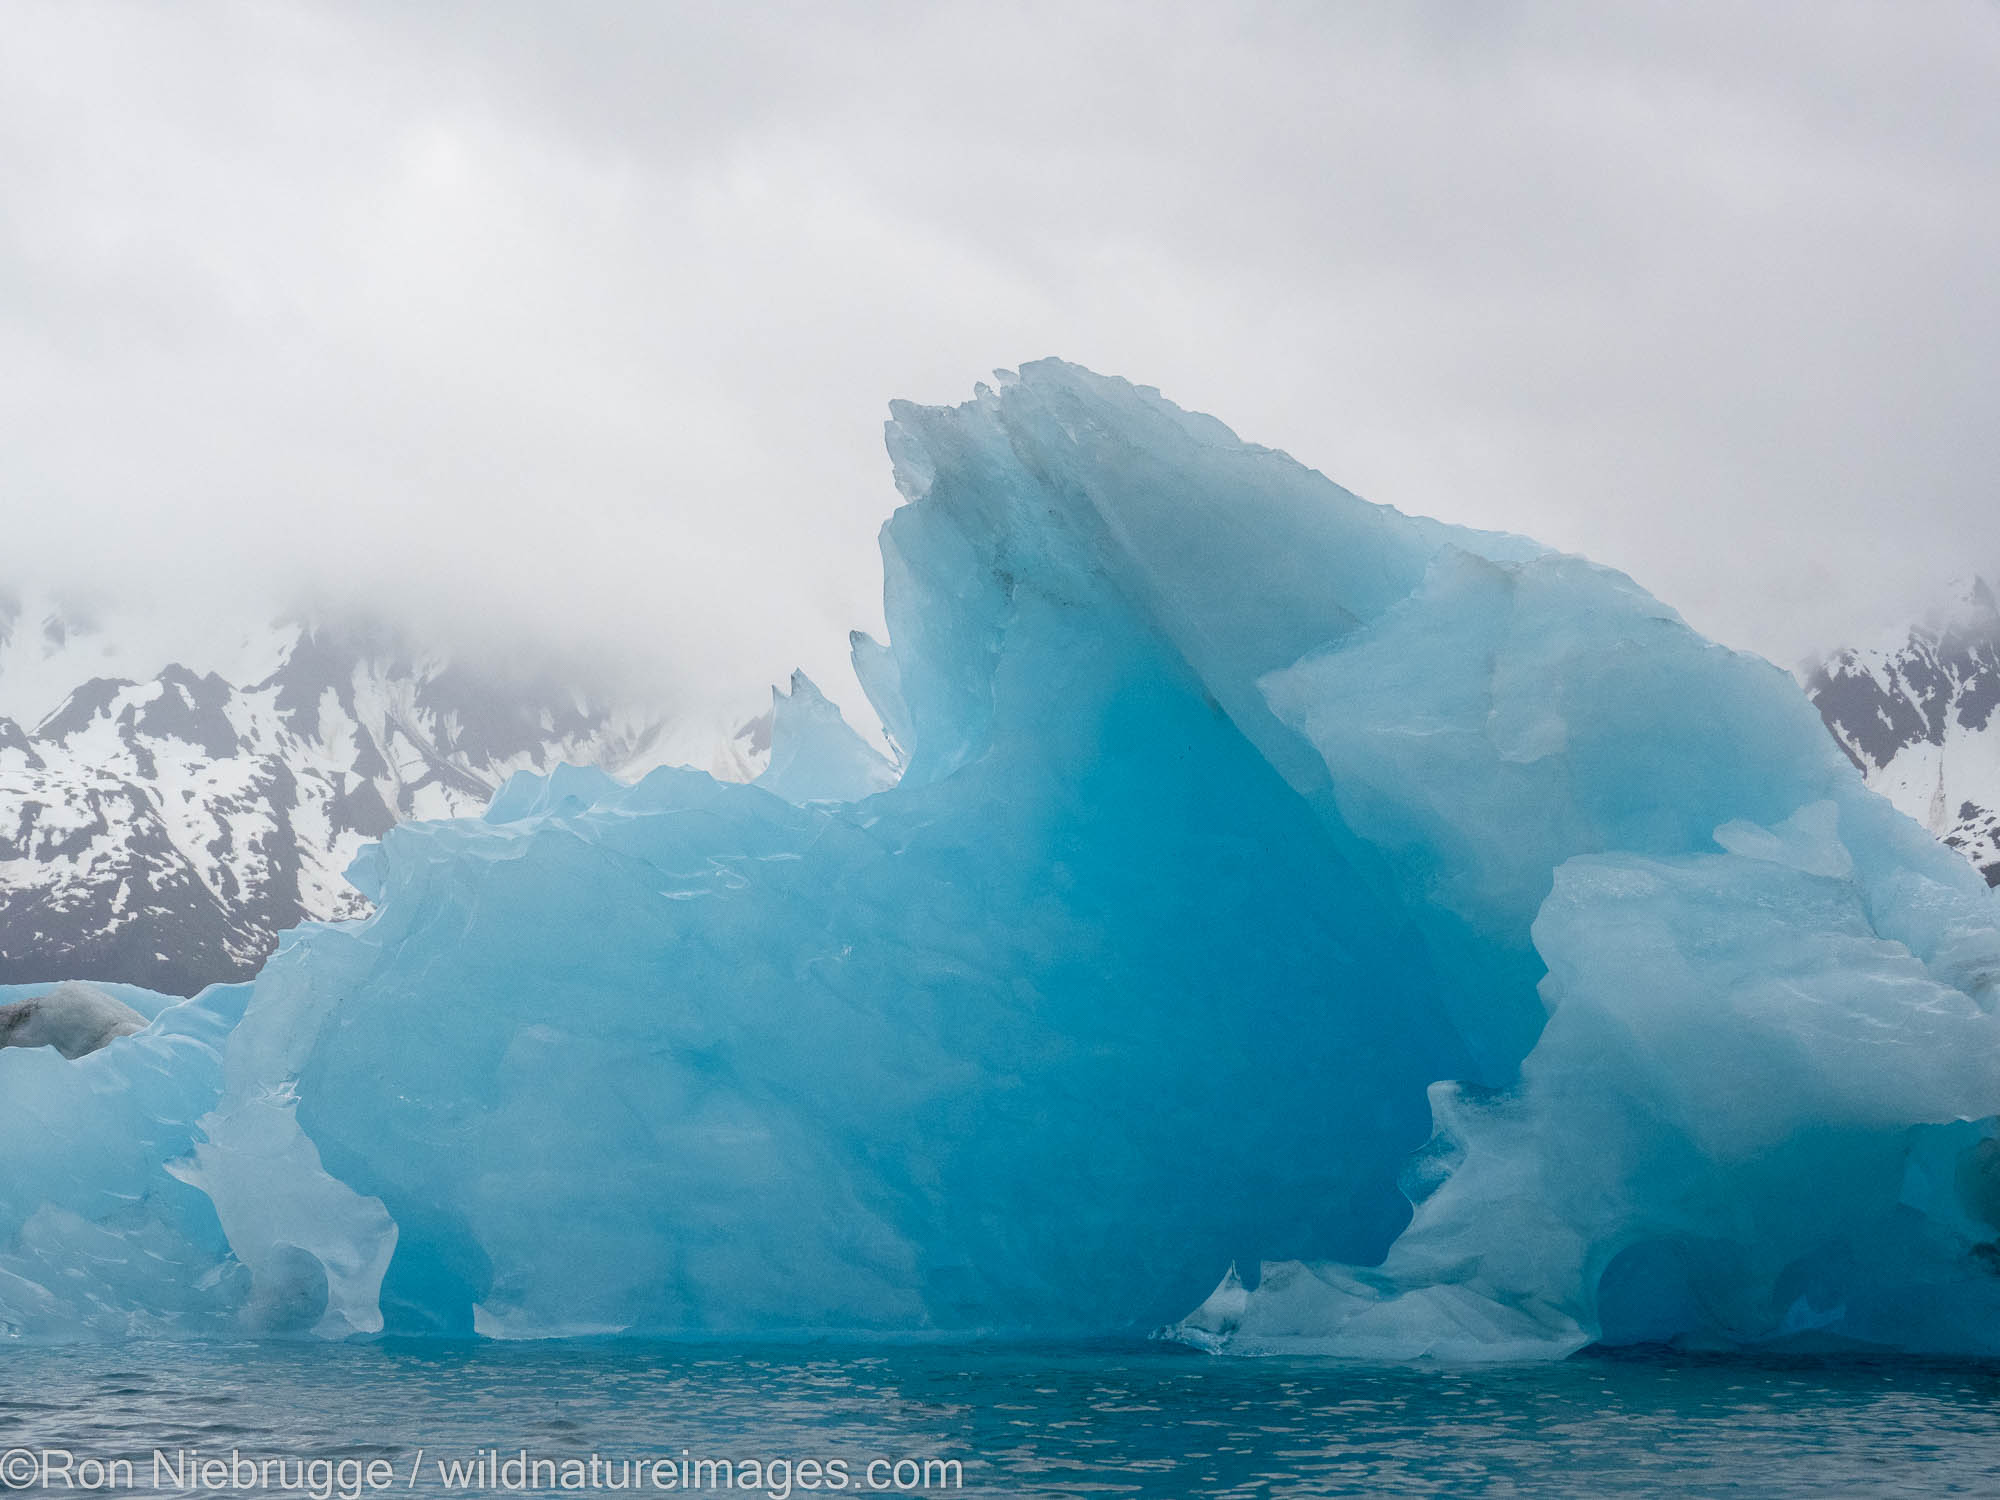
pixel 183 1470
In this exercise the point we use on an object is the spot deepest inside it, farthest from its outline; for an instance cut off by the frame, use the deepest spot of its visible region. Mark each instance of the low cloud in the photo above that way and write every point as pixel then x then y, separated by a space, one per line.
pixel 577 325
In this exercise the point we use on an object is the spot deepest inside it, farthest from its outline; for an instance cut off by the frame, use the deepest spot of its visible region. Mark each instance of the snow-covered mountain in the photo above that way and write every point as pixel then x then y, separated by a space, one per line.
pixel 161 823
pixel 162 828
pixel 1918 717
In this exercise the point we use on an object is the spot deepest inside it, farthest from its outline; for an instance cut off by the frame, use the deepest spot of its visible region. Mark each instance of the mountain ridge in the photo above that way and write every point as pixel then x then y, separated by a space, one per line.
pixel 1917 716
pixel 161 824
pixel 162 830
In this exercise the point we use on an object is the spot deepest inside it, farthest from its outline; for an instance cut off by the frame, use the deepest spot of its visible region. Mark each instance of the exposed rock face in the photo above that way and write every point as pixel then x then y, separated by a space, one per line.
pixel 162 828
pixel 1917 716
pixel 163 831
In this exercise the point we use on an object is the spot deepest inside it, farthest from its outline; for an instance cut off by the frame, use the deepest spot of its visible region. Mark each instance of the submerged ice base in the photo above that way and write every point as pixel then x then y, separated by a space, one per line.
pixel 1264 878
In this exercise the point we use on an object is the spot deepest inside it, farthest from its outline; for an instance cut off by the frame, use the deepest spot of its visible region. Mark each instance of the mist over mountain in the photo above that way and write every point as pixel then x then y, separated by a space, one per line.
pixel 1916 715
pixel 162 822
pixel 177 791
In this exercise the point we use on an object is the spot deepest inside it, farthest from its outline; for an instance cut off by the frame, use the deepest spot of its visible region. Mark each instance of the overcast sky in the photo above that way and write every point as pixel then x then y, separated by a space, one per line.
pixel 579 320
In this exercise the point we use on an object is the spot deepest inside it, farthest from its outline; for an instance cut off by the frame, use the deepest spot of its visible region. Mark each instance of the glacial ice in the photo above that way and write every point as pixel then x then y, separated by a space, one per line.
pixel 97 1240
pixel 815 755
pixel 1264 879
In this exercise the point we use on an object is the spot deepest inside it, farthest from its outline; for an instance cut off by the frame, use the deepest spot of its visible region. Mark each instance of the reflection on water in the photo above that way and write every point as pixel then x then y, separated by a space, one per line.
pixel 1110 1421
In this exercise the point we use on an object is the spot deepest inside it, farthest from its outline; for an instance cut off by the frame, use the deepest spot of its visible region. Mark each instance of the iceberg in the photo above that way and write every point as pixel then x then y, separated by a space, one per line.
pixel 1262 878
pixel 97 1238
pixel 815 755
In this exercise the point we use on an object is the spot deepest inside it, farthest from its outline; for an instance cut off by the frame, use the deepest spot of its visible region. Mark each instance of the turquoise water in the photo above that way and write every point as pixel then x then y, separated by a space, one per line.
pixel 1115 1421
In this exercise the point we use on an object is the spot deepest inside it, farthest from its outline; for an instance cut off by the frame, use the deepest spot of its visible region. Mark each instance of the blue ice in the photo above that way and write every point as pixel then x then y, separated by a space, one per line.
pixel 1426 934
